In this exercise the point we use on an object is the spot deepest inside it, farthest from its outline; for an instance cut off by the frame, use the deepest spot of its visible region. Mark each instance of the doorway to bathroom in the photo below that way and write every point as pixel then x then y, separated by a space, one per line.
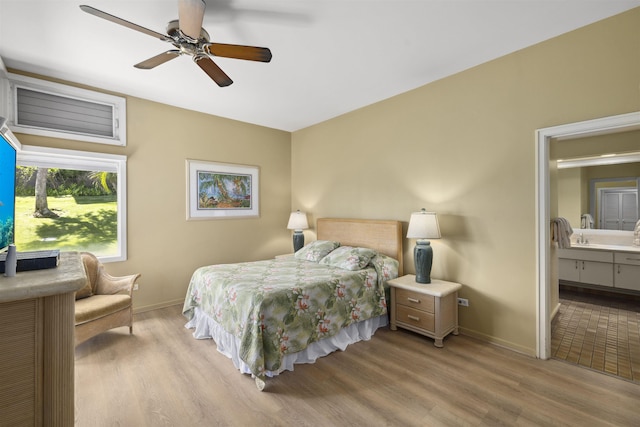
pixel 572 131
pixel 591 328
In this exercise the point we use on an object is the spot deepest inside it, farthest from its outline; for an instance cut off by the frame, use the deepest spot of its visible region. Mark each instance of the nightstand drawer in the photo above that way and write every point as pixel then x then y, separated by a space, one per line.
pixel 417 318
pixel 415 300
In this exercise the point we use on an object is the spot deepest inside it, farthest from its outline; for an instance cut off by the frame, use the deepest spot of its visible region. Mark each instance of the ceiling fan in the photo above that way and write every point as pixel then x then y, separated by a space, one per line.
pixel 189 38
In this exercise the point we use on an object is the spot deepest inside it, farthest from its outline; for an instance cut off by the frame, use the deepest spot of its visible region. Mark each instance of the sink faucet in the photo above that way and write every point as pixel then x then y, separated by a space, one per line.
pixel 581 240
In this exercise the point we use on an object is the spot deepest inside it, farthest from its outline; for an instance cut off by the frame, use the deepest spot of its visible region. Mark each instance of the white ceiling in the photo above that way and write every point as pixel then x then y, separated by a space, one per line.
pixel 329 56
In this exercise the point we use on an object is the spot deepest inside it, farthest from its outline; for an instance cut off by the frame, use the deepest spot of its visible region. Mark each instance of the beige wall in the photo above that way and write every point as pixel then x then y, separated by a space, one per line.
pixel 464 147
pixel 570 203
pixel 162 245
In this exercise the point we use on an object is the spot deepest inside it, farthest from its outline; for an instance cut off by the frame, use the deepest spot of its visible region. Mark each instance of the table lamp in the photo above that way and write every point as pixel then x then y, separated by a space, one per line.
pixel 423 225
pixel 297 223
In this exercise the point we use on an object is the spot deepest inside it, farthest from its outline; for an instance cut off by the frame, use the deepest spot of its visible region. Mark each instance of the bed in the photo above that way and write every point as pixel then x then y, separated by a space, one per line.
pixel 268 315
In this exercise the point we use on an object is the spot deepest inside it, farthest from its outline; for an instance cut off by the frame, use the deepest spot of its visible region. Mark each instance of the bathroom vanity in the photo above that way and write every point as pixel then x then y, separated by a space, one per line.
pixel 600 263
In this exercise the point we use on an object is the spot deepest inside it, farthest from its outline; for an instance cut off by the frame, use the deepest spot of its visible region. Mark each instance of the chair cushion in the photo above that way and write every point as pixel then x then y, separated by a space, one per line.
pixel 98 306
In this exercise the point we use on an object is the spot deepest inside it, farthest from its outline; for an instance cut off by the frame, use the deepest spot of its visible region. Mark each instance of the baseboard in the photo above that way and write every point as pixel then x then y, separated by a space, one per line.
pixel 599 290
pixel 144 308
pixel 498 342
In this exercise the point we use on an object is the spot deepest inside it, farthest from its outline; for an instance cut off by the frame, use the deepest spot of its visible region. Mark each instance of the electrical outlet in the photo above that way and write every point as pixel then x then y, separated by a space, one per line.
pixel 463 302
pixel 135 287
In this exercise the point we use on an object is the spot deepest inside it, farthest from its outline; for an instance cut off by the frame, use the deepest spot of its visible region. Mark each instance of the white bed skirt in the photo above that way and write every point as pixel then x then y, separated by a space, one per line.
pixel 206 328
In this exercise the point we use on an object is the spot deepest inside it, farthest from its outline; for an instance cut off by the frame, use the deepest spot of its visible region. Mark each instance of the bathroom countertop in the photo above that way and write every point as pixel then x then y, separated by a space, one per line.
pixel 605 247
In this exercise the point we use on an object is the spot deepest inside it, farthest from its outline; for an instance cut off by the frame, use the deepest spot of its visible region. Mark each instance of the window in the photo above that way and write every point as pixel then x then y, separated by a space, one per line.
pixel 85 222
pixel 41 107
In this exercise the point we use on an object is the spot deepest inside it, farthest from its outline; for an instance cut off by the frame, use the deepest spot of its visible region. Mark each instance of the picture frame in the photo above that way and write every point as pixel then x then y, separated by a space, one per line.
pixel 222 190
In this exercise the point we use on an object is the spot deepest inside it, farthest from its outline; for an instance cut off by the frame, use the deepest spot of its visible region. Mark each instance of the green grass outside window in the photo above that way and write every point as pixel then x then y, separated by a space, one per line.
pixel 85 223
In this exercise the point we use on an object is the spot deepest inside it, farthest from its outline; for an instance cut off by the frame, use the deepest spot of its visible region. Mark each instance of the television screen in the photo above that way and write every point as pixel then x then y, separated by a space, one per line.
pixel 7 191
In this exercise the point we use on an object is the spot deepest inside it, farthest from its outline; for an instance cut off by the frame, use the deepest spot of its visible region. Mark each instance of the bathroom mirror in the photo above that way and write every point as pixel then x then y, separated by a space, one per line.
pixel 599 176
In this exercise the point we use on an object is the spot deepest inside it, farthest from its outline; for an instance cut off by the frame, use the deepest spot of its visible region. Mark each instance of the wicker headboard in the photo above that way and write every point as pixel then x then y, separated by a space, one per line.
pixel 384 236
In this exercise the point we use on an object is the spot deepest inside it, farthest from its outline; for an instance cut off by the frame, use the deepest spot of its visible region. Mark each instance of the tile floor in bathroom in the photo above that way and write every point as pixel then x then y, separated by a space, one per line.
pixel 600 331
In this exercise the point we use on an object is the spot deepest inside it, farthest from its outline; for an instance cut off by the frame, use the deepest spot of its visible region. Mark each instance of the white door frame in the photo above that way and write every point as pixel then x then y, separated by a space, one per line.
pixel 603 125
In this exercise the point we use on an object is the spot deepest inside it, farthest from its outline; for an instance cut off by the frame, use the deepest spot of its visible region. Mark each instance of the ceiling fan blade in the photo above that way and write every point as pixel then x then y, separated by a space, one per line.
pixel 210 67
pixel 251 53
pixel 108 17
pixel 158 60
pixel 191 14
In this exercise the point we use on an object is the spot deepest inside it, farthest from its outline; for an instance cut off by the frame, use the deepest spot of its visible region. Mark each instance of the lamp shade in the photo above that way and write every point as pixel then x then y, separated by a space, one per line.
pixel 298 221
pixel 423 225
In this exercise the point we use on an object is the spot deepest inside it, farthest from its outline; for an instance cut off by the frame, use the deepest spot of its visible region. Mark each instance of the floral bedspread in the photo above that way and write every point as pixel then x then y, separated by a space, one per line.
pixel 279 306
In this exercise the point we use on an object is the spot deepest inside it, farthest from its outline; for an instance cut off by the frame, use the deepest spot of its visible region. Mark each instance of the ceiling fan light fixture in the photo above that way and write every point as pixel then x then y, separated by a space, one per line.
pixel 191 14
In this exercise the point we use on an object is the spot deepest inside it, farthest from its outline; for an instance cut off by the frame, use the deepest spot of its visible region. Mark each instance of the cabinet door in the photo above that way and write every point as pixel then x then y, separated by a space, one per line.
pixel 568 269
pixel 627 276
pixel 596 273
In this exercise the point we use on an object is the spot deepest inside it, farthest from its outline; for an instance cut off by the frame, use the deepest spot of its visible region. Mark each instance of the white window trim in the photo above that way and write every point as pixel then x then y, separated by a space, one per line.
pixel 81 160
pixel 9 109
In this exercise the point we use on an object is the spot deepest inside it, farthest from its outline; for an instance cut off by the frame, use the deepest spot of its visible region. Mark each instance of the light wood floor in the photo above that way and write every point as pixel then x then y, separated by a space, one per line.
pixel 162 376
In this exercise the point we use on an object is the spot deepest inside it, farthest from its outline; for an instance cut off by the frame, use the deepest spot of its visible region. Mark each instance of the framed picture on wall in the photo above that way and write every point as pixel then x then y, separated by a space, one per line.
pixel 221 190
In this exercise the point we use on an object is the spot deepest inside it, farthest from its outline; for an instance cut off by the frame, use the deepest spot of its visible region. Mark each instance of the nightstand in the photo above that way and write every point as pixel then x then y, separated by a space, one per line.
pixel 429 309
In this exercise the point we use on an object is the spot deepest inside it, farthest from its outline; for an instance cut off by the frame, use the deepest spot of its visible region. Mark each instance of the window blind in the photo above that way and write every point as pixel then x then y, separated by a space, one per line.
pixel 47 111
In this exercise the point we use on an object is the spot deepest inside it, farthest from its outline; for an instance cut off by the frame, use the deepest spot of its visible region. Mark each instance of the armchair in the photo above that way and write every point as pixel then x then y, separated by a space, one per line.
pixel 104 303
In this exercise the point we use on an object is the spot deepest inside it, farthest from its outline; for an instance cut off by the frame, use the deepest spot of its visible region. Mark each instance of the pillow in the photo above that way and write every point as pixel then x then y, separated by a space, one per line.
pixel 349 258
pixel 317 250
pixel 386 267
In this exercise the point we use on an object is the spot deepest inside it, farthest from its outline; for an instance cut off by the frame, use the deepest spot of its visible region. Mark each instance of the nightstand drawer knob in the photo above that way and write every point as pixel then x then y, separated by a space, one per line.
pixel 414 300
pixel 416 318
